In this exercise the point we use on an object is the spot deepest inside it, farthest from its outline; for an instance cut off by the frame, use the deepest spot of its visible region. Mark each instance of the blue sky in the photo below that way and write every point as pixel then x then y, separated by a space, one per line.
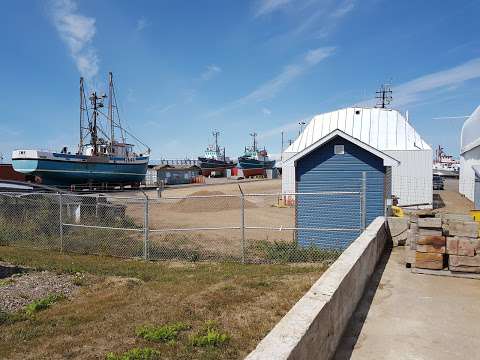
pixel 183 68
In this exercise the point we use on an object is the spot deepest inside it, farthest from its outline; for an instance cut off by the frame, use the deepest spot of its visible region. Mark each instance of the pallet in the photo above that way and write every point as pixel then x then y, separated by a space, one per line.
pixel 446 273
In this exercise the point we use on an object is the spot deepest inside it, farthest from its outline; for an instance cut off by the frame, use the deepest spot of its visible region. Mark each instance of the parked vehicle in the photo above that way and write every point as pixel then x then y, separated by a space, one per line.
pixel 438 182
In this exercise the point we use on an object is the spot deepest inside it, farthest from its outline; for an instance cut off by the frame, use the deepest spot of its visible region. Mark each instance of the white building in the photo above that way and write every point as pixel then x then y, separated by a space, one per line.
pixel 383 129
pixel 469 154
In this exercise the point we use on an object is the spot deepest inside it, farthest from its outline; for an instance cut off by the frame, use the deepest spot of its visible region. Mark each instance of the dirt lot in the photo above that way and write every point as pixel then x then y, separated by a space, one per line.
pixel 450 200
pixel 118 296
pixel 215 207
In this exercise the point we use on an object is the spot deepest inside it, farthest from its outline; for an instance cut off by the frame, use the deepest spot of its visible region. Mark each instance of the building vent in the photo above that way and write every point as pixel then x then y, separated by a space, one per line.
pixel 339 149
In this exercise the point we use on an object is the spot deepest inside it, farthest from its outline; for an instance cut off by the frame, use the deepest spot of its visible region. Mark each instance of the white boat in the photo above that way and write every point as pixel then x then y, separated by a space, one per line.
pixel 445 165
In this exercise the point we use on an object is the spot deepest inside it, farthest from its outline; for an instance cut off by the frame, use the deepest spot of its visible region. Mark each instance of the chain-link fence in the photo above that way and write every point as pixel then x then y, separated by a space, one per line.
pixel 253 228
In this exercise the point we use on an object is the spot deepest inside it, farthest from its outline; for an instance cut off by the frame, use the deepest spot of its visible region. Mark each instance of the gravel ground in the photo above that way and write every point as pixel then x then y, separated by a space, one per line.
pixel 21 289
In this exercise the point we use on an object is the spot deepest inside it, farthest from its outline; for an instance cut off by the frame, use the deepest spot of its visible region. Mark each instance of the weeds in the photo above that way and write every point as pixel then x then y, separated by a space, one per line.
pixel 6 282
pixel 10 318
pixel 165 333
pixel 292 252
pixel 42 304
pixel 209 336
pixel 135 354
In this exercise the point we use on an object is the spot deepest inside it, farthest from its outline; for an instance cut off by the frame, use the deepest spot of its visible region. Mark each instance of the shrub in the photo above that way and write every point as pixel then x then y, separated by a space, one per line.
pixel 164 333
pixel 42 304
pixel 209 336
pixel 135 354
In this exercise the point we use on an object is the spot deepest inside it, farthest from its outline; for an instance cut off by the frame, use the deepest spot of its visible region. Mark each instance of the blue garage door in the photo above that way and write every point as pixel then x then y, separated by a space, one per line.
pixel 340 174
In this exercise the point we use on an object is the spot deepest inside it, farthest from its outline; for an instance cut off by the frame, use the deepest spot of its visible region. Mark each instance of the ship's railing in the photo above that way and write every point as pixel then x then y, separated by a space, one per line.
pixel 243 227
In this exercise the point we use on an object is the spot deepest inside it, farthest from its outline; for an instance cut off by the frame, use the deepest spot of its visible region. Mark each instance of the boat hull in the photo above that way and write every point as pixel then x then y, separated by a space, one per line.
pixel 54 172
pixel 244 163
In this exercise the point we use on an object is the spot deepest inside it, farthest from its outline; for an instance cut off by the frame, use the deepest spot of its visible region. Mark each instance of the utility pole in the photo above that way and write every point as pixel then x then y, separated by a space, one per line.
pixel 281 153
pixel 383 96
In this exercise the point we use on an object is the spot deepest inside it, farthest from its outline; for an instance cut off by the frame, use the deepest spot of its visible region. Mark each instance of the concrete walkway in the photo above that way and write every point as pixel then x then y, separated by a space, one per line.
pixel 411 316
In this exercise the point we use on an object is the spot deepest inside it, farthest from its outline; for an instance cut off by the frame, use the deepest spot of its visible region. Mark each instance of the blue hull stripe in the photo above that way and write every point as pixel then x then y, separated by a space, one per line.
pixel 74 172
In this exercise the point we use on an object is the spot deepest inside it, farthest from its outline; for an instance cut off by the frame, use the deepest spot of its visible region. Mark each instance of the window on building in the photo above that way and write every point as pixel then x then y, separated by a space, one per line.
pixel 339 149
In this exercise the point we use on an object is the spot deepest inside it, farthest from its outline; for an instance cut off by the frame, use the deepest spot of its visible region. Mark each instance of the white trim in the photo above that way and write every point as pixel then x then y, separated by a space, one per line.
pixel 387 160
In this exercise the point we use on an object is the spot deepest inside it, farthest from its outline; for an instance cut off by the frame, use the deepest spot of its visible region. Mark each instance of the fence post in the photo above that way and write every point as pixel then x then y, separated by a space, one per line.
pixel 60 204
pixel 242 222
pixel 145 230
pixel 364 201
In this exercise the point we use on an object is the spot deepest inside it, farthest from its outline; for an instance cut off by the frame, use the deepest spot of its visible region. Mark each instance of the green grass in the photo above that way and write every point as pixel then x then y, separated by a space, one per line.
pixel 209 336
pixel 245 300
pixel 288 252
pixel 164 333
pixel 42 304
pixel 135 354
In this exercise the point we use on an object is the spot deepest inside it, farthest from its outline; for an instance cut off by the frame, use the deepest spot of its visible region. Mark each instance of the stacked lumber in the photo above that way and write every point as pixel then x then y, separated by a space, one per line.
pixel 435 243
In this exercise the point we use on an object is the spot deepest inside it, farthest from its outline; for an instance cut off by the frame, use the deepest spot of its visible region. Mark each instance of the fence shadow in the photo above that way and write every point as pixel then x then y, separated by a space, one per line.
pixel 355 325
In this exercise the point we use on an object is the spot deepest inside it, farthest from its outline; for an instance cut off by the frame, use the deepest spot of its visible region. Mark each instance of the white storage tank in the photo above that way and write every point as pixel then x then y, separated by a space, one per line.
pixel 384 129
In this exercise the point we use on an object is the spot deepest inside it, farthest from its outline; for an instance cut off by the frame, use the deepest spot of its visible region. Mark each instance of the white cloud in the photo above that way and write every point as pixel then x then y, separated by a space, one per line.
pixel 286 128
pixel 265 7
pixel 416 90
pixel 266 112
pixel 142 23
pixel 343 9
pixel 211 71
pixel 272 87
pixel 77 31
pixel 442 80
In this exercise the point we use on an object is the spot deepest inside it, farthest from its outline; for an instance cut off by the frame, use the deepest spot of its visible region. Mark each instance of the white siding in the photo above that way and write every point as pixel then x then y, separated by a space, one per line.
pixel 466 182
pixel 412 179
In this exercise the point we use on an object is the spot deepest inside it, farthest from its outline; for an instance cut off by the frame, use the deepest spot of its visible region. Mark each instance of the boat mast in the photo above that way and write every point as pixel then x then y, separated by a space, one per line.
pixel 215 134
pixel 80 144
pixel 94 100
pixel 110 110
pixel 254 136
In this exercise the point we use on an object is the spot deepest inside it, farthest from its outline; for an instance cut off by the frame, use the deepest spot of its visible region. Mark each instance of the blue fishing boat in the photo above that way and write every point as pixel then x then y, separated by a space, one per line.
pixel 254 158
pixel 214 159
pixel 100 157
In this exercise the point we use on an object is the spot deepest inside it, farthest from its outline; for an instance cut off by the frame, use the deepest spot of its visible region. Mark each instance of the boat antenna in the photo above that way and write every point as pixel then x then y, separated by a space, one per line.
pixel 215 134
pixel 383 96
pixel 110 110
pixel 254 136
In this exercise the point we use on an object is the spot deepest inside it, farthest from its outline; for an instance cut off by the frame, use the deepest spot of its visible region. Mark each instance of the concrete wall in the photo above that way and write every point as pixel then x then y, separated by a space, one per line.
pixel 314 326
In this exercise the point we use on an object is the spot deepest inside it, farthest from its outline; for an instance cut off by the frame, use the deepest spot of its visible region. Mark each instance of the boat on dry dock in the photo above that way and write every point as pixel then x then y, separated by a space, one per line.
pixel 103 155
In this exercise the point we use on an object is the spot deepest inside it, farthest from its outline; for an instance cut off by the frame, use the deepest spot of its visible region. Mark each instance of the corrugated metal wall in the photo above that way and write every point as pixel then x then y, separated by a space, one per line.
pixel 322 170
pixel 412 179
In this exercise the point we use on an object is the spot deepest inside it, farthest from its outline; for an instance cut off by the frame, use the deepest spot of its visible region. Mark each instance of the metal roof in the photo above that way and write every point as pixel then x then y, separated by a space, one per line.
pixel 383 129
pixel 387 159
